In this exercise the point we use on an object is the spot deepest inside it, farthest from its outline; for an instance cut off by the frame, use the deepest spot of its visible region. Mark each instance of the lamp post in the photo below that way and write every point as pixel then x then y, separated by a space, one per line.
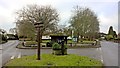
pixel 38 26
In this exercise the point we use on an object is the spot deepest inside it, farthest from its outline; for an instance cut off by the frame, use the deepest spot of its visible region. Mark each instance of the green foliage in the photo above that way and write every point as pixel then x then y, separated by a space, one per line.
pixel 54 60
pixel 56 46
pixel 25 39
pixel 88 41
pixel 57 49
pixel 84 22
pixel 26 29
pixel 114 35
pixel 65 46
pixel 4 38
pixel 109 37
pixel 12 37
pixel 30 43
pixel 85 39
pixel 45 41
pixel 58 52
pixel 112 32
pixel 58 34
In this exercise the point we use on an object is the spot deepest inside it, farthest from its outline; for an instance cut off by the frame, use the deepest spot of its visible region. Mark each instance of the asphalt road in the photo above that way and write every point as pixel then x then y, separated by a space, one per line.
pixel 108 53
pixel 0 57
pixel 8 49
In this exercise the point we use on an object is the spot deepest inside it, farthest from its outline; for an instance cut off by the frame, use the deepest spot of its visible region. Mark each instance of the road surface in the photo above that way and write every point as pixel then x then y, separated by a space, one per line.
pixel 8 49
pixel 110 53
pixel 10 52
pixel 0 56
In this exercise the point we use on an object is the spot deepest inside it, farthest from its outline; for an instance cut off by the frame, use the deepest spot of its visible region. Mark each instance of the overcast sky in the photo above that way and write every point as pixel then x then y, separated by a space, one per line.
pixel 106 10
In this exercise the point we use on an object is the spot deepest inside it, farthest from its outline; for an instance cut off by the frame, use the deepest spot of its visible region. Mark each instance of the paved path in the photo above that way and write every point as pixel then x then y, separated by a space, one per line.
pixel 0 58
pixel 110 53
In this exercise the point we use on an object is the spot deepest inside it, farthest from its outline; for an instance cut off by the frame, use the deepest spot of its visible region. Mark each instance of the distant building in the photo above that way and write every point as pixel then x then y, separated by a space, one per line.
pixel 48 37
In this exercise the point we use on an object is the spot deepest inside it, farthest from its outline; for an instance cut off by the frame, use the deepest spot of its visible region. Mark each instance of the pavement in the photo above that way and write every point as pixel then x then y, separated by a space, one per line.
pixel 108 53
pixel 0 55
pixel 0 46
pixel 0 58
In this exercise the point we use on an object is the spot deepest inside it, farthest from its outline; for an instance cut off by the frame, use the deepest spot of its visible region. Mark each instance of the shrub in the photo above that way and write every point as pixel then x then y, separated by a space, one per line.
pixel 65 46
pixel 4 38
pixel 12 37
pixel 57 49
pixel 109 37
pixel 30 43
pixel 56 46
pixel 86 39
pixel 58 52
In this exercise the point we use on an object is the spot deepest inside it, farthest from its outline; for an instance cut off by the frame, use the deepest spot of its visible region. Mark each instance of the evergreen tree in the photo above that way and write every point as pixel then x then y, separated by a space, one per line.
pixel 111 32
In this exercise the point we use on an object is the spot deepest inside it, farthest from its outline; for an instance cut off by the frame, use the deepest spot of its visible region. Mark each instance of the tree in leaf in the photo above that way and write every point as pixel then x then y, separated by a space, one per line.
pixel 115 34
pixel 26 29
pixel 84 23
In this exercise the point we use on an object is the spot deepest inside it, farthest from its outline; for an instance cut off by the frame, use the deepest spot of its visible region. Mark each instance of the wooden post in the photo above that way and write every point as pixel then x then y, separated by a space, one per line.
pixel 62 48
pixel 38 44
pixel 38 26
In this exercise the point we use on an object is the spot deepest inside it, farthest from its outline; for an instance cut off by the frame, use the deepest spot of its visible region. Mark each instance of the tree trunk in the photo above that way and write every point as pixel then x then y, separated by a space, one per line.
pixel 81 38
pixel 77 37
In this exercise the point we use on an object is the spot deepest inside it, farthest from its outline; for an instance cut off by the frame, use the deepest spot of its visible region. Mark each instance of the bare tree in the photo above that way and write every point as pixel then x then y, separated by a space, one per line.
pixel 13 30
pixel 38 14
pixel 35 13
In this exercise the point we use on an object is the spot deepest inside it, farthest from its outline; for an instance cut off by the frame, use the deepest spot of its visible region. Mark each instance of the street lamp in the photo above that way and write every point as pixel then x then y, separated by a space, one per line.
pixel 38 26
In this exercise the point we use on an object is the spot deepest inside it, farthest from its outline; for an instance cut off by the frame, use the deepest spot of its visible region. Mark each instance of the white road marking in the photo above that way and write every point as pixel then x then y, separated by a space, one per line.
pixel 100 49
pixel 101 55
pixel 102 61
pixel 19 56
pixel 97 49
pixel 12 57
pixel 0 46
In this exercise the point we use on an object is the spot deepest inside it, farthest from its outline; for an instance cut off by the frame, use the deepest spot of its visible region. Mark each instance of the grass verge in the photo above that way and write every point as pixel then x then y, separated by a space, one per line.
pixel 53 60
